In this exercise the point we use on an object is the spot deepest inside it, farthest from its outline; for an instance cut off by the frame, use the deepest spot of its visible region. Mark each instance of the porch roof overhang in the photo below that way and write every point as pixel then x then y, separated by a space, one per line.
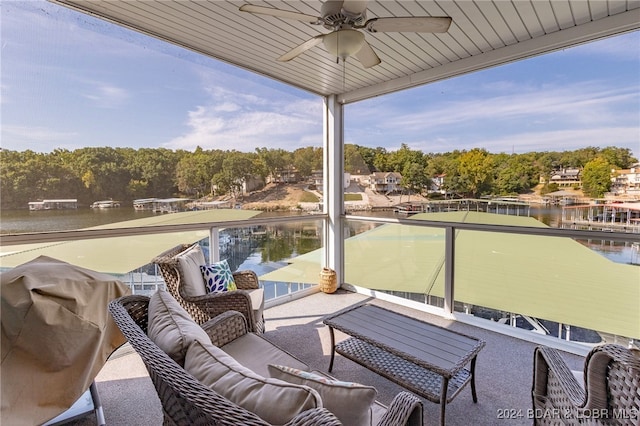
pixel 483 34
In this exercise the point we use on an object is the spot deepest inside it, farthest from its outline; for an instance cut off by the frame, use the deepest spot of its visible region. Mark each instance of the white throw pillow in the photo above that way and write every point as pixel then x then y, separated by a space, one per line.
pixel 190 261
pixel 275 401
pixel 171 327
pixel 349 402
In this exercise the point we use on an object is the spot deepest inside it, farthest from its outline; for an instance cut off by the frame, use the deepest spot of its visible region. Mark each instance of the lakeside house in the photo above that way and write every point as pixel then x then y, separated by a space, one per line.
pixel 626 181
pixel 385 182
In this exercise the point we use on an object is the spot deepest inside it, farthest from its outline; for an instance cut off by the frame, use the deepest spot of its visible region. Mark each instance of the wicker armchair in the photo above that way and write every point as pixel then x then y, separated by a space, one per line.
pixel 186 401
pixel 203 308
pixel 609 395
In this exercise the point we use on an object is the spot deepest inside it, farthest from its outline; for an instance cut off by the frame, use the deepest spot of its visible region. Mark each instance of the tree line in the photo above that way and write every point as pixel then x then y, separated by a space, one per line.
pixel 124 174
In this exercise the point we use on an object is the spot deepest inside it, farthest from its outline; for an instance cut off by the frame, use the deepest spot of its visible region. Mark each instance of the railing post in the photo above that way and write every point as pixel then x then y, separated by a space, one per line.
pixel 449 266
pixel 214 245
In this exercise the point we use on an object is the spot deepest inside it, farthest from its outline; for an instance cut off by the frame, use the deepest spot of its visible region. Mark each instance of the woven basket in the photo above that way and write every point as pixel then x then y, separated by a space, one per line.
pixel 328 280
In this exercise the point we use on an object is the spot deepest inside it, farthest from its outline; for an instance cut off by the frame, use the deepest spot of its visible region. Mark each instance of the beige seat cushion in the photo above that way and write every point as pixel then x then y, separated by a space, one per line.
pixel 256 353
pixel 257 302
pixel 350 402
pixel 190 261
pixel 273 400
pixel 171 327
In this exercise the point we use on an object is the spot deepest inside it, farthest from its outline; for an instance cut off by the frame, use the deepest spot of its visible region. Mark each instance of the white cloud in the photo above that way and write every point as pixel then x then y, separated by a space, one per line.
pixel 42 134
pixel 578 103
pixel 107 96
pixel 251 122
pixel 564 140
pixel 547 117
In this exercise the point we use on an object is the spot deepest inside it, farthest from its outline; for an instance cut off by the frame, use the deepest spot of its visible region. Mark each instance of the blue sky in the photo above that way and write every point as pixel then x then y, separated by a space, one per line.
pixel 70 81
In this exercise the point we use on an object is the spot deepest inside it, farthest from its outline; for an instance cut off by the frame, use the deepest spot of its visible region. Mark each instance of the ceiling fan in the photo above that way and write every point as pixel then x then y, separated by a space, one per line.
pixel 345 19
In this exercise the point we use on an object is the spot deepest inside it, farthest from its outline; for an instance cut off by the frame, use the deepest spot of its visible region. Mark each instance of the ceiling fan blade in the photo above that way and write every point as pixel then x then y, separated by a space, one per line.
pixel 355 7
pixel 302 48
pixel 286 14
pixel 425 24
pixel 367 56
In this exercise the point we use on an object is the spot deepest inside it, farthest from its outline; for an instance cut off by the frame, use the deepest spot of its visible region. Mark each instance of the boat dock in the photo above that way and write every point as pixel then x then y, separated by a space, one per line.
pixel 618 216
pixel 105 204
pixel 57 204
pixel 162 205
pixel 500 206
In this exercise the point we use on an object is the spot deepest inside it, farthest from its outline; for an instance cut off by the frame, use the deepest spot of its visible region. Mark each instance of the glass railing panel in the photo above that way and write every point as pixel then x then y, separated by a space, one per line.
pixel 401 260
pixel 578 290
pixel 549 285
pixel 286 257
pixel 265 244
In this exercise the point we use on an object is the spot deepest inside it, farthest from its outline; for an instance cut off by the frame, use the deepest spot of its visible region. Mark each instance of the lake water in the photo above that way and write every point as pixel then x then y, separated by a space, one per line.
pixel 21 221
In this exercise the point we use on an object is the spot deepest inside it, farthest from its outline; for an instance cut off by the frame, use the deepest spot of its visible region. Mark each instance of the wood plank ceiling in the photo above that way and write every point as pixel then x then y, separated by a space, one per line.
pixel 484 33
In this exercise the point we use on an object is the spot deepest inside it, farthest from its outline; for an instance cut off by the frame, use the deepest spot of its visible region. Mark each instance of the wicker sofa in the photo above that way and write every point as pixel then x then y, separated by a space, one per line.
pixel 248 299
pixel 607 394
pixel 186 400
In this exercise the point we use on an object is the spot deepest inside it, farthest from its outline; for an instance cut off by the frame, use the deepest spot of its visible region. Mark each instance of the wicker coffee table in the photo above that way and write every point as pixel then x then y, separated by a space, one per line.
pixel 423 358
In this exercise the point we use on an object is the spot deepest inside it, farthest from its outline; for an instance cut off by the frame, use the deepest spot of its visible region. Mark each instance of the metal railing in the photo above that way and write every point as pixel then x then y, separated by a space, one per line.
pixel 450 229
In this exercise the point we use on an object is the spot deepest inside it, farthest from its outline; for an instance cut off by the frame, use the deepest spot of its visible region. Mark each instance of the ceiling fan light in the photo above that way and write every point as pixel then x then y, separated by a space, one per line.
pixel 343 43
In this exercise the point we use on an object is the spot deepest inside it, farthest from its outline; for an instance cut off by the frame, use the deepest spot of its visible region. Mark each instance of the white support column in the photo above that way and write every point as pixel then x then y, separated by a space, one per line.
pixel 333 172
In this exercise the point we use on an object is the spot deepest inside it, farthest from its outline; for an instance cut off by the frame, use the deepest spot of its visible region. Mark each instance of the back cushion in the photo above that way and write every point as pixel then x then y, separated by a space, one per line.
pixel 171 327
pixel 350 402
pixel 190 261
pixel 273 400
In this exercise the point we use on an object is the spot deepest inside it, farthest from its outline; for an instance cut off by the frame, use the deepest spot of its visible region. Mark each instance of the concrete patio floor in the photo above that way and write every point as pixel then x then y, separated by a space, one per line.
pixel 504 367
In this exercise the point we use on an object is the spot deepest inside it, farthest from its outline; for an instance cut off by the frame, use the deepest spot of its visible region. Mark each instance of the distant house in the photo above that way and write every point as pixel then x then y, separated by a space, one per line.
pixel 437 184
pixel 253 183
pixel 316 179
pixel 626 181
pixel 285 175
pixel 385 182
pixel 566 178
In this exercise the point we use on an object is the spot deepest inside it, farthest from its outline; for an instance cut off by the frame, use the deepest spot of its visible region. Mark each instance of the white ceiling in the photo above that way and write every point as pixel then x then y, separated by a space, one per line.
pixel 484 33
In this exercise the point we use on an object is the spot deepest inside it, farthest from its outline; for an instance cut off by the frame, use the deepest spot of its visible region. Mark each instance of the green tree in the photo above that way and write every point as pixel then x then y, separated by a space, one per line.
pixel 397 160
pixel 237 168
pixel 596 177
pixel 195 170
pixel 152 172
pixel 514 174
pixel 368 156
pixel 414 178
pixel 273 160
pixel 381 161
pixel 620 158
pixel 101 172
pixel 475 170
pixel 306 160
pixel 353 161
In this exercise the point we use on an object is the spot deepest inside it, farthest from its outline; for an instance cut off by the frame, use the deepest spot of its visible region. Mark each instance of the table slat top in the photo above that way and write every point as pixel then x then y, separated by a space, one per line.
pixel 427 345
